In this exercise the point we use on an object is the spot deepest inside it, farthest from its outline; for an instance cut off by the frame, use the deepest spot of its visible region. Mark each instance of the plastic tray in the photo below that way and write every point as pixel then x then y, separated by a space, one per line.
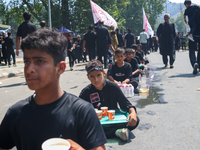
pixel 120 117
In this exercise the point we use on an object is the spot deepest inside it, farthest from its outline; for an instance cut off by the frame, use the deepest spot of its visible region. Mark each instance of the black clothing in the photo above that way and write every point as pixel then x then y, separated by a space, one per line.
pixel 197 22
pixel 10 50
pixel 138 59
pixel 177 42
pixel 78 51
pixel 150 44
pixel 192 55
pixel 103 40
pixel 84 53
pixel 120 73
pixel 106 98
pixel 120 40
pixel 155 43
pixel 129 39
pixel 26 28
pixel 71 54
pixel 171 59
pixel 144 47
pixel 103 36
pixel 90 38
pixel 190 11
pixel 27 125
pixel 94 96
pixel 134 66
pixel 9 44
pixel 166 34
pixel 140 55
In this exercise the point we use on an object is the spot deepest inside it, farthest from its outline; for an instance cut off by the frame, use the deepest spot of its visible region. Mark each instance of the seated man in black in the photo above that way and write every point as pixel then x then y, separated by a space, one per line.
pixel 102 91
pixel 50 112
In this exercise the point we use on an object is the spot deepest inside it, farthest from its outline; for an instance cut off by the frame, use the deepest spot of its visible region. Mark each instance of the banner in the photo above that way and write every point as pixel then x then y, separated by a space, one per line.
pixel 146 25
pixel 100 14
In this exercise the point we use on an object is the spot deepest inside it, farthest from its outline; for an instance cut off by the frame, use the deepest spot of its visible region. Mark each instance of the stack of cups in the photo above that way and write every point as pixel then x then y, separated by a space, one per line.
pixel 105 112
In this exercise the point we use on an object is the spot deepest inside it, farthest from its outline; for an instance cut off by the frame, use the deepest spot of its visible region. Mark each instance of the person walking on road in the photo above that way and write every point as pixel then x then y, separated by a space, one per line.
pixel 129 39
pixel 166 34
pixel 103 42
pixel 89 42
pixel 143 40
pixel 120 38
pixel 9 43
pixel 4 52
pixel 183 41
pixel 24 29
pixel 195 62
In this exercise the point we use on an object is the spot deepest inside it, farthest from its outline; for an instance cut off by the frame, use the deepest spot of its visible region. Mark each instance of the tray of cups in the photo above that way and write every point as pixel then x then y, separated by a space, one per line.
pixel 111 116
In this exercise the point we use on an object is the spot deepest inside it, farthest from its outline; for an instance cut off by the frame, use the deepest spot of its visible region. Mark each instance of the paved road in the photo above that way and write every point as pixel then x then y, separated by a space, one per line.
pixel 169 114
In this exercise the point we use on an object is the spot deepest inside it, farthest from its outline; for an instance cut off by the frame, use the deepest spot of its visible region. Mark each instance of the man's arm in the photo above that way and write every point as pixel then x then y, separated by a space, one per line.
pixel 185 19
pixel 18 44
pixel 126 81
pixel 84 50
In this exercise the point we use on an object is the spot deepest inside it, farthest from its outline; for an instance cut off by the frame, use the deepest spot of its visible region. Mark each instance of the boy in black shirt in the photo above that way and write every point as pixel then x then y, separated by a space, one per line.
pixel 121 71
pixel 50 112
pixel 10 50
pixel 101 91
pixel 133 62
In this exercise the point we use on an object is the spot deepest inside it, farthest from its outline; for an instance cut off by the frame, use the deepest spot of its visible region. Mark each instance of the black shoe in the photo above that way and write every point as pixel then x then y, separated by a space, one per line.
pixel 195 68
pixel 106 67
pixel 136 91
pixel 165 66
pixel 171 66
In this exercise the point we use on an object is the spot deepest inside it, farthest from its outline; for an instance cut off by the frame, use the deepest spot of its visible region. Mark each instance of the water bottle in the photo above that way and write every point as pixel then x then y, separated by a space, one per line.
pixel 126 90
pixel 131 90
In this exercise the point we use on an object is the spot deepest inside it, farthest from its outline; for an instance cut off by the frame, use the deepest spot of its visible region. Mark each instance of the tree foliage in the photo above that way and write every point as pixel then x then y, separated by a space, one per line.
pixel 77 15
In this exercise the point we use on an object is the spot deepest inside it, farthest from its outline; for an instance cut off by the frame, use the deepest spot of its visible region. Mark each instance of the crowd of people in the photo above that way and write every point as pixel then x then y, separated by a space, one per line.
pixel 52 112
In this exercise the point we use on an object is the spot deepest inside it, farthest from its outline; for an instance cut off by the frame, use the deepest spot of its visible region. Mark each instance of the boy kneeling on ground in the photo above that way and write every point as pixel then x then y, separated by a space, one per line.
pixel 107 93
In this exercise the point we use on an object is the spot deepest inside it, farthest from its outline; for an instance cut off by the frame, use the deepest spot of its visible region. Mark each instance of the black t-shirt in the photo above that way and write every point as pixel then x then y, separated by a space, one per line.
pixel 190 11
pixel 133 64
pixel 27 125
pixel 120 73
pixel 26 28
pixel 3 45
pixel 129 39
pixel 106 96
pixel 138 59
pixel 140 55
pixel 90 38
pixel 9 43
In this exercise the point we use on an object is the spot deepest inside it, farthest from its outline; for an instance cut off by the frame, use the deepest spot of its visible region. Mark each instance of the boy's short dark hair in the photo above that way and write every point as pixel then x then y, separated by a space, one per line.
pixel 51 42
pixel 129 30
pixel 94 65
pixel 129 50
pixel 117 29
pixel 9 33
pixel 134 46
pixel 187 2
pixel 27 15
pixel 119 51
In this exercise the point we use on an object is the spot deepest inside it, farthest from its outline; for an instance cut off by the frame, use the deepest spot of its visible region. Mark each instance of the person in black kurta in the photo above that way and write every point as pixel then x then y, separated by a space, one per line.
pixel 166 34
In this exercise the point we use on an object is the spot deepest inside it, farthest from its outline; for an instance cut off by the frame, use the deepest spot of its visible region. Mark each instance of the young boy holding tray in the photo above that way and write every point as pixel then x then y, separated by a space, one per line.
pixel 108 94
pixel 50 112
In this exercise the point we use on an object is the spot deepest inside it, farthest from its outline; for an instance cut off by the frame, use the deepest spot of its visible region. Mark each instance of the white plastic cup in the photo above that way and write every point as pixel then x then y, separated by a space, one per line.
pixel 56 144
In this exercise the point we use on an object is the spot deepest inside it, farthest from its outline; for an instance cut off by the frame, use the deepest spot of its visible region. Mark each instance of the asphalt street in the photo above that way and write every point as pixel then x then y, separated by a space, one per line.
pixel 169 114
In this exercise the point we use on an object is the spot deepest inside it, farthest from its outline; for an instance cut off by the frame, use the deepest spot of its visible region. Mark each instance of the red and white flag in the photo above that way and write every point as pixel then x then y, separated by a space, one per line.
pixel 100 14
pixel 146 25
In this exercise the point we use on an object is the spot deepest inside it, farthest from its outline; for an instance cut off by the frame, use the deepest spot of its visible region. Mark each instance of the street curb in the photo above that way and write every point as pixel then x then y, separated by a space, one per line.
pixel 13 73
